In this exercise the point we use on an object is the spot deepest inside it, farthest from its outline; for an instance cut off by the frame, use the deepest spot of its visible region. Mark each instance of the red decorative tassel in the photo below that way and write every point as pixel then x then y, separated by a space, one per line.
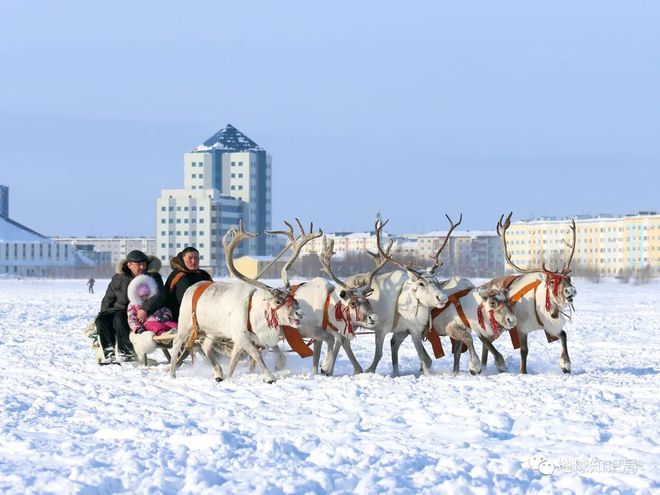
pixel 480 317
pixel 344 314
pixel 493 323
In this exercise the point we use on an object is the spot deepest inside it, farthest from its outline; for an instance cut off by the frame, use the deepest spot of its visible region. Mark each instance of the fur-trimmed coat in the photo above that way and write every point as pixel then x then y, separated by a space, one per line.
pixel 175 294
pixel 116 295
pixel 160 315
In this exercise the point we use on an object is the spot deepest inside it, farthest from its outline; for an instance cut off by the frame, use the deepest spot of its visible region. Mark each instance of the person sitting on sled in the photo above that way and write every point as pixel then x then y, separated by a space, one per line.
pixel 142 333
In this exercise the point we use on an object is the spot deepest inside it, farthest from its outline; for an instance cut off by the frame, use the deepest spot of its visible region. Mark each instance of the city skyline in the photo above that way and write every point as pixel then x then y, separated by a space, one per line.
pixel 414 111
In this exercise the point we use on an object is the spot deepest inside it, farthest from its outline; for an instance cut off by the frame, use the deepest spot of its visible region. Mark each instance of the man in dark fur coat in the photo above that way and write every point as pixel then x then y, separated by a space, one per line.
pixel 185 272
pixel 112 322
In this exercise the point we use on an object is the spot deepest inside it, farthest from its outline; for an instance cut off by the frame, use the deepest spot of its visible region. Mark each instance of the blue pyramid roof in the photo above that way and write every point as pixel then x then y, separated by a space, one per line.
pixel 231 139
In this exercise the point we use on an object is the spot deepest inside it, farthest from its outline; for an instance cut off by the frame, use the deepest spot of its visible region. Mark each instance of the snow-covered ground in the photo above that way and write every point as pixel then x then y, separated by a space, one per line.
pixel 70 426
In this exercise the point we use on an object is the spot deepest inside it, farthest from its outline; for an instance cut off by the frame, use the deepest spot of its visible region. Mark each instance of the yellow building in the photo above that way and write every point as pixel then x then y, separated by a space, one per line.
pixel 250 266
pixel 609 246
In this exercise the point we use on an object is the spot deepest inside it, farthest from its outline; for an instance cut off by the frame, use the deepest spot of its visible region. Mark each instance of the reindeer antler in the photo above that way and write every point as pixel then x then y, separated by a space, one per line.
pixel 237 235
pixel 567 267
pixel 387 257
pixel 502 227
pixel 436 262
pixel 296 243
pixel 324 256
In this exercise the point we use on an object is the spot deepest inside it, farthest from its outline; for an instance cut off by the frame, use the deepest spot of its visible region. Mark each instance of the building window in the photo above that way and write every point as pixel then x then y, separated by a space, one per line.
pixel 233 176
pixel 178 208
pixel 163 221
pixel 240 176
pixel 201 208
pixel 201 176
pixel 233 164
pixel 194 176
pixel 162 232
pixel 233 188
pixel 194 187
pixel 240 188
pixel 240 164
pixel 163 245
pixel 162 208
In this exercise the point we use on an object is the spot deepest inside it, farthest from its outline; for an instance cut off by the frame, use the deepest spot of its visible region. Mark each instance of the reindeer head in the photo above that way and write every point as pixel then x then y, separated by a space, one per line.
pixel 282 309
pixel 354 308
pixel 423 285
pixel 560 290
pixel 280 306
pixel 496 305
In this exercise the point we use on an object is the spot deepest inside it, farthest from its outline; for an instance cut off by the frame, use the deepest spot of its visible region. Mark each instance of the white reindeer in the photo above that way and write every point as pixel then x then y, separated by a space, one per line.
pixel 540 299
pixel 485 309
pixel 334 312
pixel 403 300
pixel 249 313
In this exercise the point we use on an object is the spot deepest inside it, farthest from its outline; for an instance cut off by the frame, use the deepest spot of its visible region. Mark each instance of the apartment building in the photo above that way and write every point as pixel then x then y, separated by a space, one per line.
pixel 605 244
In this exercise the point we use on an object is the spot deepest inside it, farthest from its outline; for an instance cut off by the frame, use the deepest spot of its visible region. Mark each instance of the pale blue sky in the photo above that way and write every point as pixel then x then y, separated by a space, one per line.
pixel 411 108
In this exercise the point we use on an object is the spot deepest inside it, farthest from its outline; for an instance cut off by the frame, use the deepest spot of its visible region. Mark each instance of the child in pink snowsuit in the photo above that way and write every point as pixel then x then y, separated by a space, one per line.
pixel 158 322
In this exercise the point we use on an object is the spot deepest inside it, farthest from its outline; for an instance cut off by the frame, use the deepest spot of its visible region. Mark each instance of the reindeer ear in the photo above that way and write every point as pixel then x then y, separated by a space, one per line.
pixel 343 294
pixel 483 292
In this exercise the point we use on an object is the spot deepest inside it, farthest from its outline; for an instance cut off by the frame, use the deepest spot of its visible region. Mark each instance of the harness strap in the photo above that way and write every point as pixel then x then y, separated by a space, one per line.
pixel 249 324
pixel 454 299
pixel 513 333
pixel 199 290
pixel 433 335
pixel 326 319
pixel 174 281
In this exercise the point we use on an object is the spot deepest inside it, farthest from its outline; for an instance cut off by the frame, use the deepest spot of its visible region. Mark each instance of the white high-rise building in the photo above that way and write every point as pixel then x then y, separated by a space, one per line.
pixel 226 178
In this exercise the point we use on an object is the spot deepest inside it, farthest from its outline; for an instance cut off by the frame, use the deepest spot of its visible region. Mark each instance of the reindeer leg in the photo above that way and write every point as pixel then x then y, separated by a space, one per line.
pixel 209 351
pixel 453 331
pixel 499 359
pixel 564 360
pixel 233 359
pixel 484 357
pixel 255 354
pixel 179 339
pixel 332 343
pixel 456 348
pixel 280 358
pixel 378 351
pixel 424 358
pixel 464 336
pixel 317 356
pixel 395 343
pixel 346 344
pixel 522 337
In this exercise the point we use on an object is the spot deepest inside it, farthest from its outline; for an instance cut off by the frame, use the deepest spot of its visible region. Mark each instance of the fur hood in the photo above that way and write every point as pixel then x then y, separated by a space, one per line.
pixel 178 265
pixel 138 281
pixel 153 266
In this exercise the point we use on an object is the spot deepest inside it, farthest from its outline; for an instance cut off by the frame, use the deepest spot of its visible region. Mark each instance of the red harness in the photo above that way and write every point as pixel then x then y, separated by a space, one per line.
pixel 491 316
pixel 343 313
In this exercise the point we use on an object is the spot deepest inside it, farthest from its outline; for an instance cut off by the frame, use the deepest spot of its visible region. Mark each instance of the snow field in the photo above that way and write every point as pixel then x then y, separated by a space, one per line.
pixel 71 426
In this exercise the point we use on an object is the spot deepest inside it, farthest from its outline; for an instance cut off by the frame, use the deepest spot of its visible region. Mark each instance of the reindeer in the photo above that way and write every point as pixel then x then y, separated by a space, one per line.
pixel 352 310
pixel 485 309
pixel 403 299
pixel 467 310
pixel 249 313
pixel 539 299
pixel 332 316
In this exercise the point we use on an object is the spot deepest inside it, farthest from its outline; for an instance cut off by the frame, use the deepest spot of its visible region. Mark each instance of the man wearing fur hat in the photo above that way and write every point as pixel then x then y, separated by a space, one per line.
pixel 112 321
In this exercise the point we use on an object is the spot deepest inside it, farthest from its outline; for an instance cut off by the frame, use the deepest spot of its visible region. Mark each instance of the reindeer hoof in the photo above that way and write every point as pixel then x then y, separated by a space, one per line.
pixel 269 379
pixel 218 379
pixel 566 370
